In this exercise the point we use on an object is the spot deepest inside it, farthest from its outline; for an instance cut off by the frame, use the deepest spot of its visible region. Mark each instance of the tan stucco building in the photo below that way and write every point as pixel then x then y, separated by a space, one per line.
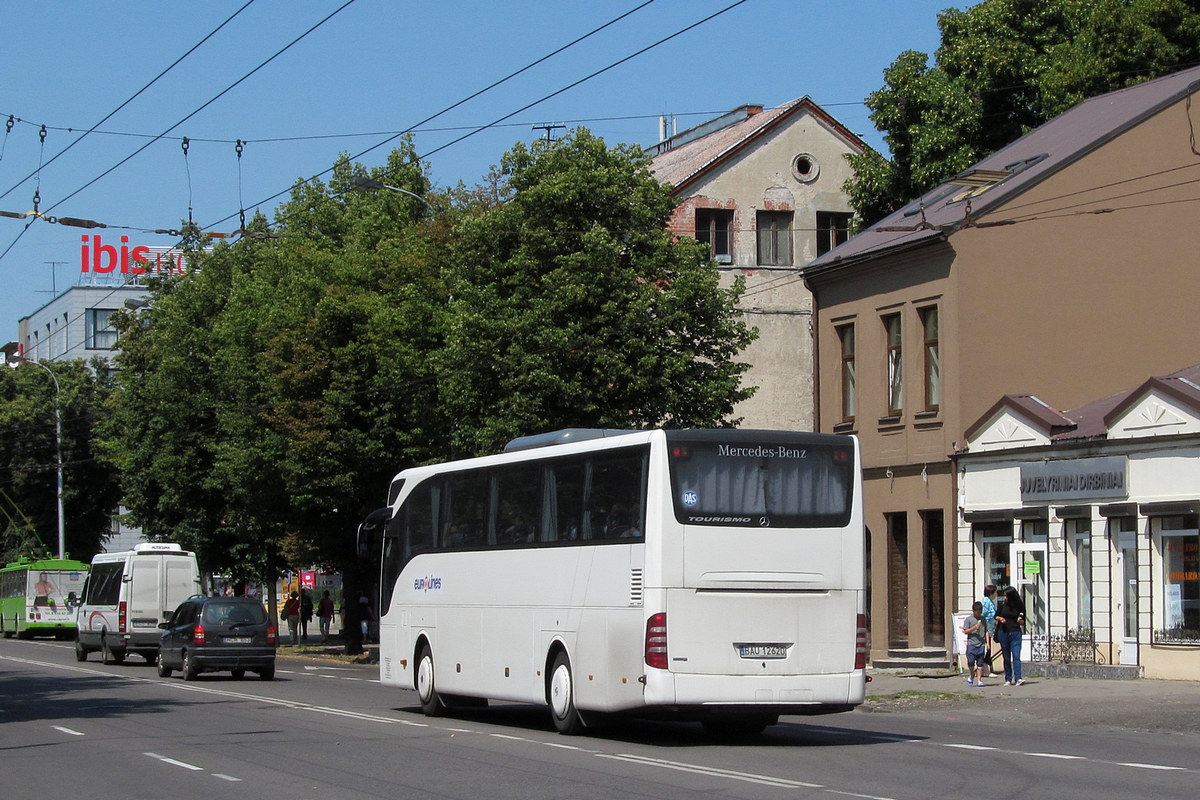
pixel 1063 265
pixel 763 187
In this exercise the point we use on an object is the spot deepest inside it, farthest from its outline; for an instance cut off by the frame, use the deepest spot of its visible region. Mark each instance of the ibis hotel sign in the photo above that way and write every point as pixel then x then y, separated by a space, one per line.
pixel 98 256
pixel 1075 479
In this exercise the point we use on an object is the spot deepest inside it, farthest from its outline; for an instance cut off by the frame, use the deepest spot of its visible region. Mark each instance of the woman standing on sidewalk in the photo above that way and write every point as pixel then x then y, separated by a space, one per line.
pixel 1010 619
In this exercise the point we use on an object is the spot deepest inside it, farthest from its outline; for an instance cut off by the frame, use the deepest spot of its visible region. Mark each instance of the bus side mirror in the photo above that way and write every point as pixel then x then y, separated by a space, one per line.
pixel 368 535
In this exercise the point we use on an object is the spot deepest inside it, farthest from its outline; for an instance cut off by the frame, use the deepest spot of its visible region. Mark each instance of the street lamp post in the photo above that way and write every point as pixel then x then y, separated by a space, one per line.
pixel 362 184
pixel 14 361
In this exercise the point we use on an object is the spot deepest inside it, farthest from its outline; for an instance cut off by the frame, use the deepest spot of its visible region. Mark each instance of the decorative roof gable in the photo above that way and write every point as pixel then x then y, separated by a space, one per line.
pixel 1016 421
pixel 1159 407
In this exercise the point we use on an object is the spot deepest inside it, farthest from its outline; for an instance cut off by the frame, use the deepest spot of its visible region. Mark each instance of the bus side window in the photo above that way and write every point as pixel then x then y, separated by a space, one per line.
pixel 618 507
pixel 518 504
pixel 565 486
pixel 467 510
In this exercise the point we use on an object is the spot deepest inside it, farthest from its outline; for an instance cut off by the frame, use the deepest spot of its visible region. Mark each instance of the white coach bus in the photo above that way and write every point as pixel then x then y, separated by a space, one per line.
pixel 713 575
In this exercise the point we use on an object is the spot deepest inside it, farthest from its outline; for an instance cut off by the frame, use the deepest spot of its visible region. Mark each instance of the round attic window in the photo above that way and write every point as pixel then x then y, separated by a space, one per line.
pixel 805 168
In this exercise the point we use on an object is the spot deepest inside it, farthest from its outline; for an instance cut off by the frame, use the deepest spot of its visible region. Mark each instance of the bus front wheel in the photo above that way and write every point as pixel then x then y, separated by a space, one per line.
pixel 431 704
pixel 562 697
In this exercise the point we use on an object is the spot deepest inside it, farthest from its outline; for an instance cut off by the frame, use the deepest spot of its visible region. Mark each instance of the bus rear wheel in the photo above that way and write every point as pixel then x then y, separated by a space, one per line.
pixel 562 697
pixel 431 704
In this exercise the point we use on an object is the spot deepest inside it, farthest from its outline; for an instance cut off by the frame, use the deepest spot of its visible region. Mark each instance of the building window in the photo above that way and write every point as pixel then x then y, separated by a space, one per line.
pixel 833 228
pixel 849 380
pixel 100 333
pixel 775 238
pixel 1079 534
pixel 933 362
pixel 712 228
pixel 1181 580
pixel 895 377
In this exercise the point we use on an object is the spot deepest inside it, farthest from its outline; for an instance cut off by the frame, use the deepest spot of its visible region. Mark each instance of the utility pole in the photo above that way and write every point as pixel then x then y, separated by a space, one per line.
pixel 549 128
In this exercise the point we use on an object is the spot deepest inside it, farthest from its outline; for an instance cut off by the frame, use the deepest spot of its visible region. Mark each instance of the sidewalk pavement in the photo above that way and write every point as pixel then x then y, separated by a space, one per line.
pixel 1138 704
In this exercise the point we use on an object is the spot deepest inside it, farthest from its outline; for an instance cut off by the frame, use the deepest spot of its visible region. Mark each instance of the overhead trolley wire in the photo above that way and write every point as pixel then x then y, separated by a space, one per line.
pixel 205 105
pixel 496 122
pixel 494 84
pixel 131 98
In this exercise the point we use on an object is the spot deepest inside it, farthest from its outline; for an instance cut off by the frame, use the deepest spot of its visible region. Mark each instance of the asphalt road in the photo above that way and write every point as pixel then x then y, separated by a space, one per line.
pixel 327 729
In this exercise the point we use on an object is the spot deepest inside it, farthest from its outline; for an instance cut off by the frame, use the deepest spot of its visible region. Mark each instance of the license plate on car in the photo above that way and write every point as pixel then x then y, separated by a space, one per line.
pixel 763 650
pixel 239 639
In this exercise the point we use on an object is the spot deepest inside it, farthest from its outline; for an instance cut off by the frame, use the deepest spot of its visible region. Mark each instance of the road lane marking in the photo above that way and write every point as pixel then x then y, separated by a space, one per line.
pixel 713 772
pixel 1063 756
pixel 67 730
pixel 1147 766
pixel 970 747
pixel 175 762
pixel 226 777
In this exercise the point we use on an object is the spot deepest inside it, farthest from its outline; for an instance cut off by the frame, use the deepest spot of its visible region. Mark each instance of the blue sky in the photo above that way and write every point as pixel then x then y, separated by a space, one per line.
pixel 373 69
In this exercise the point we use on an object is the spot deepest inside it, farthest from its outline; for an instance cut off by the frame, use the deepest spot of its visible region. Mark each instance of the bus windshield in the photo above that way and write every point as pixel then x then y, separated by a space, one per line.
pixel 775 482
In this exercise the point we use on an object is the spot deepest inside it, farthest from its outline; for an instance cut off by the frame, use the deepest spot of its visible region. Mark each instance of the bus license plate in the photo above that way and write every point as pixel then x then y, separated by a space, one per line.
pixel 762 650
pixel 239 639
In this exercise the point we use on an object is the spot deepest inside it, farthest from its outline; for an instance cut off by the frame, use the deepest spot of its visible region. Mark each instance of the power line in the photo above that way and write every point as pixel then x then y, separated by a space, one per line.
pixel 132 97
pixel 455 105
pixel 514 113
pixel 205 105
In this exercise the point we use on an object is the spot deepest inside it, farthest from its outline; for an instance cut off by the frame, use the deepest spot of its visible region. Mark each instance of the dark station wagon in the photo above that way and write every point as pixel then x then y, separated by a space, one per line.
pixel 207 634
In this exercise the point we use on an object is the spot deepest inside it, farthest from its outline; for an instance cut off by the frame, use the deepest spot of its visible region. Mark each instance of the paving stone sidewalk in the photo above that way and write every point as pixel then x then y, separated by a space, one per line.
pixel 1139 704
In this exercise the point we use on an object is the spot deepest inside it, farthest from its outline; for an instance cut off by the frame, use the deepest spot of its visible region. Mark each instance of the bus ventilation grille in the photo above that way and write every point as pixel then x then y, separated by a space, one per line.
pixel 635 587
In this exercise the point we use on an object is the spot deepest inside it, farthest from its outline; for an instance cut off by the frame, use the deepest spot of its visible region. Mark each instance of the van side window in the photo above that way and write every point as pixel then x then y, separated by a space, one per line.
pixel 104 583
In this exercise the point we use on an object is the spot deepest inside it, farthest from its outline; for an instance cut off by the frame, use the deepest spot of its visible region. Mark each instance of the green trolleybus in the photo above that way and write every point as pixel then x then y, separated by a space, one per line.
pixel 39 597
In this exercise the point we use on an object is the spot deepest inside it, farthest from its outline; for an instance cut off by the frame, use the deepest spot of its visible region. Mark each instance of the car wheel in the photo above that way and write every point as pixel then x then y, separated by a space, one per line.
pixel 267 673
pixel 163 670
pixel 81 652
pixel 431 704
pixel 237 674
pixel 189 667
pixel 562 697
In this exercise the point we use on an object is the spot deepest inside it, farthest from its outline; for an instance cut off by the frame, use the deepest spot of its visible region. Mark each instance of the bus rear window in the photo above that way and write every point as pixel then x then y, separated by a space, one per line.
pixel 773 483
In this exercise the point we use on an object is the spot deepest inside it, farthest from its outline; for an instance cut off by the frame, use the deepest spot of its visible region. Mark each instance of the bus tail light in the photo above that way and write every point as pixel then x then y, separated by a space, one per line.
pixel 121 617
pixel 656 641
pixel 198 634
pixel 860 643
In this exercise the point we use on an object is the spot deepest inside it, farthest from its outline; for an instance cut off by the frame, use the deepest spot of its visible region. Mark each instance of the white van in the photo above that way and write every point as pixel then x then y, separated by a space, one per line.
pixel 128 594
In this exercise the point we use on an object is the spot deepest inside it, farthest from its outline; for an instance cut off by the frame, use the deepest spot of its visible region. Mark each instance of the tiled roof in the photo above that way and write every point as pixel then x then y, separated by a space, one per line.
pixel 682 164
pixel 1092 420
pixel 1030 159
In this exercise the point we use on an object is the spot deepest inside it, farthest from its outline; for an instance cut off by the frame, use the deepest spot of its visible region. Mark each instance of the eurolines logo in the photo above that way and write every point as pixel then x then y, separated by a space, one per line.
pixel 427 583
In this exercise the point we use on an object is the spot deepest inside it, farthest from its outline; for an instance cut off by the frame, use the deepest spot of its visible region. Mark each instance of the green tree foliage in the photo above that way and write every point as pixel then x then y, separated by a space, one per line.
pixel 267 398
pixel 573 306
pixel 1003 68
pixel 286 378
pixel 28 473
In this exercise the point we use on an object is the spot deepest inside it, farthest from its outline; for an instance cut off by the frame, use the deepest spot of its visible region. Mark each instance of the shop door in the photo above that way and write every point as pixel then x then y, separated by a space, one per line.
pixel 1127 569
pixel 1028 567
pixel 897 542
